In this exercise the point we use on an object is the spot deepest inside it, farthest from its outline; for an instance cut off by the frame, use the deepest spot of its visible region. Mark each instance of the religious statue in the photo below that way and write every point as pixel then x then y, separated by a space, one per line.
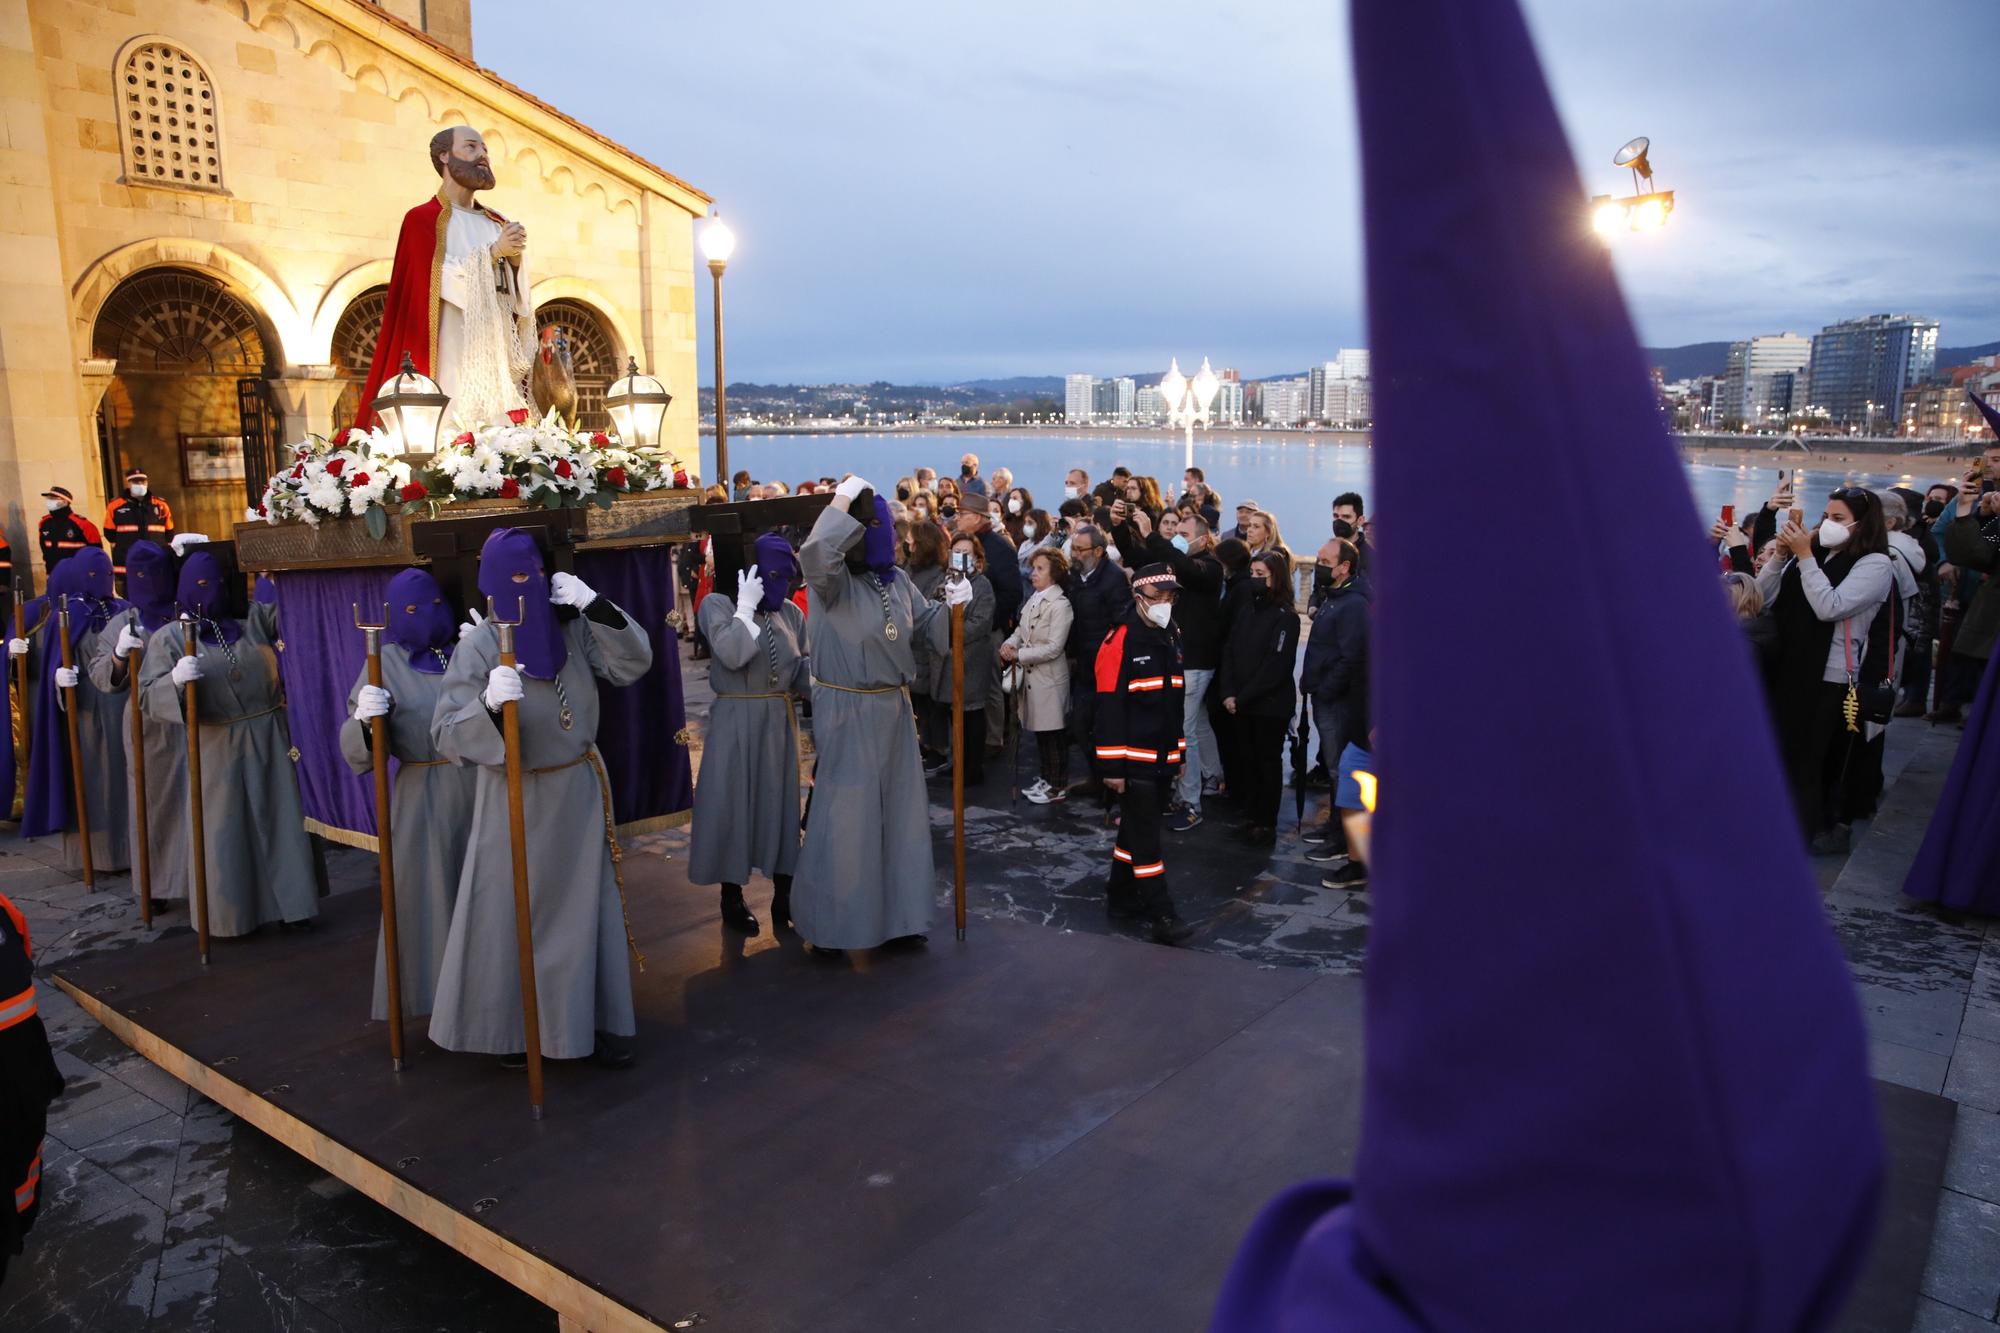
pixel 458 299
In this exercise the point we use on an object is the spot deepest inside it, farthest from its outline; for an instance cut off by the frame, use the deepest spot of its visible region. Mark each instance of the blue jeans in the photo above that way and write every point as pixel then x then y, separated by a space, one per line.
pixel 1202 751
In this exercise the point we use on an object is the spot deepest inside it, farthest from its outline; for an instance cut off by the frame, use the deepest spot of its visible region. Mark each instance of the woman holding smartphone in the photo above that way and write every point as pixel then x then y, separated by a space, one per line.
pixel 967 563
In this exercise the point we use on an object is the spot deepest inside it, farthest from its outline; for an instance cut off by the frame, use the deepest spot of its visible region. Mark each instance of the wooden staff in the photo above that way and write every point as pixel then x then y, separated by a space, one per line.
pixel 958 765
pixel 378 736
pixel 21 588
pixel 75 746
pixel 197 837
pixel 144 849
pixel 517 836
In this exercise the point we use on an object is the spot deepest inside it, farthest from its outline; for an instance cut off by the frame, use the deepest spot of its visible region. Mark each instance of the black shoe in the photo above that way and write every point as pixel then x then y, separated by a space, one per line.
pixel 1170 930
pixel 821 951
pixel 296 927
pixel 1124 912
pixel 611 1052
pixel 1325 853
pixel 906 942
pixel 168 904
pixel 1353 875
pixel 517 1060
pixel 736 913
pixel 1327 832
pixel 939 769
pixel 781 903
pixel 1834 841
pixel 1259 835
pixel 1184 818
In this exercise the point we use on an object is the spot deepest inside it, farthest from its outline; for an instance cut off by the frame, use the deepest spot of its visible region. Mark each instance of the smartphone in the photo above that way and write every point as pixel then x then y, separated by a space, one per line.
pixel 1729 513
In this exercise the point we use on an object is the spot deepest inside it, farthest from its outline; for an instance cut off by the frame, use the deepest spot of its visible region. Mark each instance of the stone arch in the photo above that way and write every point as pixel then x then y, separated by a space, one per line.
pixel 264 294
pixel 316 350
pixel 625 339
pixel 169 116
pixel 594 344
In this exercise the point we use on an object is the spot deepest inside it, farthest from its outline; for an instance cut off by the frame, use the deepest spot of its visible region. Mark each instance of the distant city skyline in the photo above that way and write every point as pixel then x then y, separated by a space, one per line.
pixel 929 193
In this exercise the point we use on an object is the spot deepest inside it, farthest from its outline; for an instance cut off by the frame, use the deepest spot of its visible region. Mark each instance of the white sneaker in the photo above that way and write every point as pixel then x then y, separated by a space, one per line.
pixel 1039 793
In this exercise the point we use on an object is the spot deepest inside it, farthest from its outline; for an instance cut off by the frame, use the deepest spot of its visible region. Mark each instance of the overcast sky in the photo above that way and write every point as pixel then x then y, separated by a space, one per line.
pixel 926 192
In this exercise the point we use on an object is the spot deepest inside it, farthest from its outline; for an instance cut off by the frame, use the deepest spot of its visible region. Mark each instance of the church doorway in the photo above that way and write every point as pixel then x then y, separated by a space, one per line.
pixel 188 403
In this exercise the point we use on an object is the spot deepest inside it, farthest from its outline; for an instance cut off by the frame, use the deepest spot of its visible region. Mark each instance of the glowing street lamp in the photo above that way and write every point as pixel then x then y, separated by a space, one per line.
pixel 638 407
pixel 1645 209
pixel 718 243
pixel 1188 400
pixel 411 408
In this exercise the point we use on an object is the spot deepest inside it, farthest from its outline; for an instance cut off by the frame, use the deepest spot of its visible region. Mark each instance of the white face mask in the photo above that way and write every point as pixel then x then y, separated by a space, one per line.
pixel 1013 504
pixel 1160 613
pixel 1070 492
pixel 1028 531
pixel 1833 535
pixel 54 504
pixel 138 489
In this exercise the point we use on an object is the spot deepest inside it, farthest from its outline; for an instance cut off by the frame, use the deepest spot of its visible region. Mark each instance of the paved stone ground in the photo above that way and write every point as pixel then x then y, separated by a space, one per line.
pixel 164 1213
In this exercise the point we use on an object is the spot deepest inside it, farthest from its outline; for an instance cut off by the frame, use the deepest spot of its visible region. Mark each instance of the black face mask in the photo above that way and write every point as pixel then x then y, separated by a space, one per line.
pixel 1932 508
pixel 949 512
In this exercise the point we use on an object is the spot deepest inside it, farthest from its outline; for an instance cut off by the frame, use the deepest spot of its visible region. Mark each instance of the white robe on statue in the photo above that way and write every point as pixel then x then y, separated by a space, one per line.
pixel 465 285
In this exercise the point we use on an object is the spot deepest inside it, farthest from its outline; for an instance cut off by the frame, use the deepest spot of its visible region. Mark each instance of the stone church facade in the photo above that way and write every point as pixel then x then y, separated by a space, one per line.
pixel 198 204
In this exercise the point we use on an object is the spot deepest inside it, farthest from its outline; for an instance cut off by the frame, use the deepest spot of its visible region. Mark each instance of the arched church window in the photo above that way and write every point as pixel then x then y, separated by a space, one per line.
pixel 360 328
pixel 178 322
pixel 593 358
pixel 167 117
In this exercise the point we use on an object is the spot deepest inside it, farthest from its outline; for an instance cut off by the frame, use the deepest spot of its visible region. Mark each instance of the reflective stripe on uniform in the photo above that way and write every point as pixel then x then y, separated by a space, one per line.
pixel 1147 683
pixel 1120 854
pixel 1147 872
pixel 1127 752
pixel 24 1197
pixel 1178 682
pixel 17 1008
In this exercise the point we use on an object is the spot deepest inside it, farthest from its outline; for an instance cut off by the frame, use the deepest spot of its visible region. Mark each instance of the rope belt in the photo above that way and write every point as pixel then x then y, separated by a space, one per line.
pixel 861 689
pixel 421 763
pixel 247 717
pixel 791 709
pixel 610 839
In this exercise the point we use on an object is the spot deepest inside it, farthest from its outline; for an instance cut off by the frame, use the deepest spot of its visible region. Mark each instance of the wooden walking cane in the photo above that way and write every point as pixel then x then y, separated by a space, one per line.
pixel 144 850
pixel 378 735
pixel 517 836
pixel 958 765
pixel 197 834
pixel 21 589
pixel 75 746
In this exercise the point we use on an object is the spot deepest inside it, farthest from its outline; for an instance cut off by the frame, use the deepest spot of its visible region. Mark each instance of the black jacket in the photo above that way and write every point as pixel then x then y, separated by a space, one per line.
pixel 1258 655
pixel 1097 603
pixel 1003 571
pixel 1137 729
pixel 131 518
pixel 1198 609
pixel 1336 665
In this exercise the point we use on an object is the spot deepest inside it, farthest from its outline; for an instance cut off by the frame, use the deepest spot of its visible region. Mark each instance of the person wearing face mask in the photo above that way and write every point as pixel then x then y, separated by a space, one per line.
pixel 865 872
pixel 1335 677
pixel 1037 534
pixel 259 861
pixel 136 515
pixel 1824 592
pixel 63 531
pixel 83 583
pixel 1076 485
pixel 969 480
pixel 431 802
pixel 1255 682
pixel 1100 595
pixel 149 587
pixel 569 639
pixel 746 806
pixel 1015 506
pixel 968 566
pixel 1137 743
pixel 1038 648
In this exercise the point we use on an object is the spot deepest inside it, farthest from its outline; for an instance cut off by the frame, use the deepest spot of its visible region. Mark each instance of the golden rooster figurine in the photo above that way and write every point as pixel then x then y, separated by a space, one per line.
pixel 552 382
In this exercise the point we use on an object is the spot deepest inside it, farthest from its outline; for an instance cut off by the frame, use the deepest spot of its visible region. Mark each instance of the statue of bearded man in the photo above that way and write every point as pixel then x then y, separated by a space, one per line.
pixel 458 293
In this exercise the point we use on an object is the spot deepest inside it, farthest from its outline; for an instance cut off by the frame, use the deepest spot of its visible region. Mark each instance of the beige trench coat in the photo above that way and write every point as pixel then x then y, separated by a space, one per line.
pixel 1043 632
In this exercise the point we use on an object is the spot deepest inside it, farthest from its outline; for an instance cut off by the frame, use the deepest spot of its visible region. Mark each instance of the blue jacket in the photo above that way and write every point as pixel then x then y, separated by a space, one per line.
pixel 1336 665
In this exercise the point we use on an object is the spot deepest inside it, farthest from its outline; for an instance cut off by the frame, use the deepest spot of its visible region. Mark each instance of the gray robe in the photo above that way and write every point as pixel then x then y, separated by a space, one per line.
pixel 101 740
pixel 746 804
pixel 166 794
pixel 430 817
pixel 865 873
pixel 259 860
pixel 583 976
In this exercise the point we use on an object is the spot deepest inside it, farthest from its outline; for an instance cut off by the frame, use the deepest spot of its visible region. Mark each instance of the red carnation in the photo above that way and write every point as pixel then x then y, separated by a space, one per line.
pixel 680 477
pixel 616 477
pixel 302 452
pixel 510 489
pixel 518 415
pixel 334 465
pixel 261 511
pixel 563 469
pixel 299 471
pixel 601 440
pixel 358 479
pixel 464 439
pixel 413 492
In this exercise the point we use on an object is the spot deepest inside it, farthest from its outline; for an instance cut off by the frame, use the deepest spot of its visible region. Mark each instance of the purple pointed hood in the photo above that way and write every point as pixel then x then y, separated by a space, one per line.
pixel 878 543
pixel 1616 1079
pixel 538 643
pixel 203 593
pixel 149 583
pixel 91 604
pixel 420 620
pixel 778 566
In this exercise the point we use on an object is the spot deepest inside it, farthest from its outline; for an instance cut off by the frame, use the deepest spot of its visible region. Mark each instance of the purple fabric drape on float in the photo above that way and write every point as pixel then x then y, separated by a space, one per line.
pixel 639 723
pixel 322 656
pixel 1959 863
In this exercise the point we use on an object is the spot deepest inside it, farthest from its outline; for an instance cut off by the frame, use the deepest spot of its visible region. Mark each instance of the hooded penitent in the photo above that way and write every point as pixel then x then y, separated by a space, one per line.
pixel 149 583
pixel 878 543
pixel 46 803
pixel 1606 1087
pixel 203 592
pixel 510 572
pixel 420 620
pixel 778 567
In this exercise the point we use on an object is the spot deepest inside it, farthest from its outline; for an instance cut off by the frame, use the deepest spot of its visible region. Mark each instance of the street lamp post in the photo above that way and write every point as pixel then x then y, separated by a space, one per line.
pixel 1188 400
pixel 718 243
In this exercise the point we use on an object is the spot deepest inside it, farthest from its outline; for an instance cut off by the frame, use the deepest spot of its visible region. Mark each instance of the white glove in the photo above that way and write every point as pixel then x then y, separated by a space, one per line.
pixel 372 701
pixel 749 592
pixel 66 678
pixel 252 516
pixel 183 540
pixel 468 626
pixel 17 647
pixel 129 641
pixel 957 592
pixel 503 686
pixel 569 590
pixel 850 488
pixel 187 669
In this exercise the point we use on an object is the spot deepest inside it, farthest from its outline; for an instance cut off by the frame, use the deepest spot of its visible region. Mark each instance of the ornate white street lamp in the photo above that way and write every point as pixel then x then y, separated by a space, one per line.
pixel 638 407
pixel 411 407
pixel 1188 400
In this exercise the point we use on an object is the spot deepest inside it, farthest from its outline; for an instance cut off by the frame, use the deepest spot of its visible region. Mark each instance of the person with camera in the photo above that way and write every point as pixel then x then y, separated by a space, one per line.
pixel 1824 593
pixel 1037 648
pixel 1255 682
pixel 1138 680
pixel 967 567
pixel 865 874
pixel 1100 594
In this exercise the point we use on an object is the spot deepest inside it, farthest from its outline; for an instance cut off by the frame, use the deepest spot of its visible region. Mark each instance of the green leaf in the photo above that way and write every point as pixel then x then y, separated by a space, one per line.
pixel 604 497
pixel 551 498
pixel 377 519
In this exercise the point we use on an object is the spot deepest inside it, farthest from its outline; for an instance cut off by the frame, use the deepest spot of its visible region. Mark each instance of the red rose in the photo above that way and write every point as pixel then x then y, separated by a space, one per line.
pixel 680 477
pixel 510 489
pixel 563 469
pixel 601 440
pixel 358 479
pixel 302 453
pixel 261 511
pixel 464 439
pixel 299 471
pixel 334 466
pixel 518 415
pixel 616 477
pixel 413 492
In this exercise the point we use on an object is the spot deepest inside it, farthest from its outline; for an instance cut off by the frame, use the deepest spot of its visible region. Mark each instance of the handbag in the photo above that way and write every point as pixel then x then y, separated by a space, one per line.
pixel 1868 701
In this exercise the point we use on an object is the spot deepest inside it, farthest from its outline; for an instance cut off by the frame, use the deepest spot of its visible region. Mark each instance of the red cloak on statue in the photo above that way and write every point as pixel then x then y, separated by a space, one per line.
pixel 410 314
